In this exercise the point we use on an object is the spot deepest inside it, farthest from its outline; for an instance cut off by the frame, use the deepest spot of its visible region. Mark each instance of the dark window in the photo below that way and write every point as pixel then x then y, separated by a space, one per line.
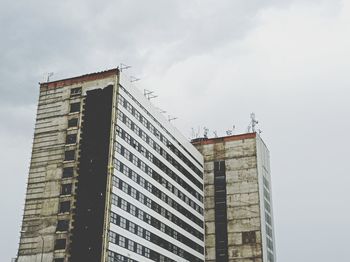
pixel 220 211
pixel 71 139
pixel 66 189
pixel 73 122
pixel 64 206
pixel 75 91
pixel 74 107
pixel 249 237
pixel 62 225
pixel 59 260
pixel 69 155
pixel 67 172
pixel 60 244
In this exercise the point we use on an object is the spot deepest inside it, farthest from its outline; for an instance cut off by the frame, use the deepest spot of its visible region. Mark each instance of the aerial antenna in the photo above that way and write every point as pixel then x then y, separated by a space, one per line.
pixel 134 79
pixel 171 118
pixel 123 66
pixel 205 133
pixel 253 122
pixel 193 133
pixel 161 110
pixel 48 76
pixel 231 131
pixel 149 94
pixel 215 134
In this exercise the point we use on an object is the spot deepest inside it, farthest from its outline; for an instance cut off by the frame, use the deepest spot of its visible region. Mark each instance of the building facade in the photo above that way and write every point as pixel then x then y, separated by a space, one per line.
pixel 110 179
pixel 237 205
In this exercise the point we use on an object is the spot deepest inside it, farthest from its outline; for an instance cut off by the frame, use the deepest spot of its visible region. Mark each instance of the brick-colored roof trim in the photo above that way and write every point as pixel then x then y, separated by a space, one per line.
pixel 224 139
pixel 80 79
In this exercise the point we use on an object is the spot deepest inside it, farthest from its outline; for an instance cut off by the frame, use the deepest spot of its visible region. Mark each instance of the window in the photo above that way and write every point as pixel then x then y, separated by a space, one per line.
pixel 148 235
pixel 66 189
pixel 74 107
pixel 60 244
pixel 75 91
pixel 248 237
pixel 140 214
pixel 124 205
pixel 71 139
pixel 73 122
pixel 62 225
pixel 133 192
pixel 64 206
pixel 131 245
pixel 140 231
pixel 147 252
pixel 132 210
pixel 69 155
pixel 131 227
pixel 112 237
pixel 67 172
pixel 121 241
pixel 138 249
pixel 122 222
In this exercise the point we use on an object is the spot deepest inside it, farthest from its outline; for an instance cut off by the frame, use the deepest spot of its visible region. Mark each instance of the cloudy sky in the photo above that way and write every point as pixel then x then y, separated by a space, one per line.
pixel 212 63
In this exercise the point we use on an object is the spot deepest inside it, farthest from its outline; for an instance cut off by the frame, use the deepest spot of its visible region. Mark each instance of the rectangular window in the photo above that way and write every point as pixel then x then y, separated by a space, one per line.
pixel 132 227
pixel 138 249
pixel 74 107
pixel 75 91
pixel 221 240
pixel 73 122
pixel 140 231
pixel 131 245
pixel 60 244
pixel 132 210
pixel 121 241
pixel 249 237
pixel 62 225
pixel 71 139
pixel 140 214
pixel 122 222
pixel 112 237
pixel 64 207
pixel 66 189
pixel 67 172
pixel 69 155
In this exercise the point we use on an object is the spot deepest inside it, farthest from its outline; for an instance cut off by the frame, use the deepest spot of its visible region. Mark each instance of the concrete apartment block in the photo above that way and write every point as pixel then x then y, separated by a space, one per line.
pixel 237 199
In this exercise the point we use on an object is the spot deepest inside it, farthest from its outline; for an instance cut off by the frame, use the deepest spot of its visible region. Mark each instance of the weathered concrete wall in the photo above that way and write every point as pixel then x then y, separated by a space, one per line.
pixel 41 211
pixel 243 201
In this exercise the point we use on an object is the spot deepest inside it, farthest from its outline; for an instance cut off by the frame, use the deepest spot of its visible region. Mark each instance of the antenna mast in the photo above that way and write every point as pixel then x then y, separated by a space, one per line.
pixel 253 122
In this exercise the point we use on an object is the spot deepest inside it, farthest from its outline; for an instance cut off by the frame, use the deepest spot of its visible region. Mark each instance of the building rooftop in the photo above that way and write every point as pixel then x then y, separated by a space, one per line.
pixel 80 79
pixel 214 140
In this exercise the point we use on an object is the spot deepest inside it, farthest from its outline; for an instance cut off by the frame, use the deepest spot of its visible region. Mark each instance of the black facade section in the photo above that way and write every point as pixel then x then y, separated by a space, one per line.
pixel 220 211
pixel 88 218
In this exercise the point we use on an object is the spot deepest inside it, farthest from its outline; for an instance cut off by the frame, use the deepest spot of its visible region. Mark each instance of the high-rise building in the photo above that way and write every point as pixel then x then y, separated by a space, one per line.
pixel 110 179
pixel 237 203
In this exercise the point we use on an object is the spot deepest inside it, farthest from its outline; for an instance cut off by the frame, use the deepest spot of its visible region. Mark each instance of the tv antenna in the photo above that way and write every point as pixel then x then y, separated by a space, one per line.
pixel 161 110
pixel 48 76
pixel 149 94
pixel 215 134
pixel 253 123
pixel 206 130
pixel 171 118
pixel 231 131
pixel 134 79
pixel 123 66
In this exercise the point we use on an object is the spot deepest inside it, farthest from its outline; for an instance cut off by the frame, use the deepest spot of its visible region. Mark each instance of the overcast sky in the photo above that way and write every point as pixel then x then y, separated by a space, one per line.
pixel 212 63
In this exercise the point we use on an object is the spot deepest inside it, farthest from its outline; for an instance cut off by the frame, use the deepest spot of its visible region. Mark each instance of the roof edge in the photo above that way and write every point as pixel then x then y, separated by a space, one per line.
pixel 207 141
pixel 80 79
